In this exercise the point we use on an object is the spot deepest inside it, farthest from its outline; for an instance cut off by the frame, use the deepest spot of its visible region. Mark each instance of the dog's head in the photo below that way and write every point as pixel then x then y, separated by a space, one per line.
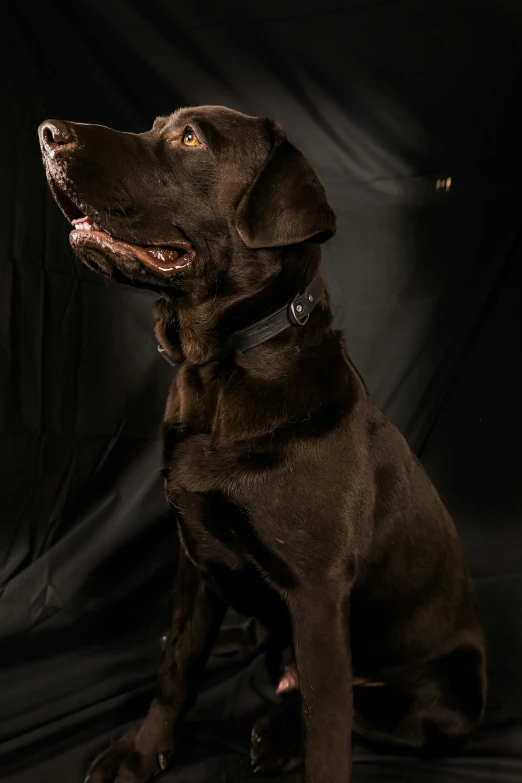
pixel 178 205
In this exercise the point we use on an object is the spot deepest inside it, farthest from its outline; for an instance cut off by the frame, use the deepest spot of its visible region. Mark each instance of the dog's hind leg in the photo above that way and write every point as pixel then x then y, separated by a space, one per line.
pixel 247 637
pixel 243 638
pixel 277 744
pixel 432 709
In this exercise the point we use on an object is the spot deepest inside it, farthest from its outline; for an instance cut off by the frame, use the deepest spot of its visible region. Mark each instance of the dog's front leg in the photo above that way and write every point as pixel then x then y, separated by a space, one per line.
pixel 198 614
pixel 320 627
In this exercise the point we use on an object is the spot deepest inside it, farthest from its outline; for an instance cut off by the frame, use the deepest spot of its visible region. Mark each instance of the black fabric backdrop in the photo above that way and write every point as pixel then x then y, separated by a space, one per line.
pixel 385 98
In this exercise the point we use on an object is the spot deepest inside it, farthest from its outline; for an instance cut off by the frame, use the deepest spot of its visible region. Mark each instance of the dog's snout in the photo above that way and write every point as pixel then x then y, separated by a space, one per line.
pixel 55 135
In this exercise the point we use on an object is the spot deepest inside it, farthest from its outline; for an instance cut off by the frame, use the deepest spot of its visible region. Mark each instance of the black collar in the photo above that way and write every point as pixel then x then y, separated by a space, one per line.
pixel 296 313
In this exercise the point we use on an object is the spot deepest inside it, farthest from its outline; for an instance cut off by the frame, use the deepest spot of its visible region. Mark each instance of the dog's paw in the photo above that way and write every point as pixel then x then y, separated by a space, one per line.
pixel 276 745
pixel 125 762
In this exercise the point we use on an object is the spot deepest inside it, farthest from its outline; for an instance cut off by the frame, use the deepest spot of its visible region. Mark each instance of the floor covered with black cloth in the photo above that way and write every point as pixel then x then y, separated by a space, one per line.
pixel 410 114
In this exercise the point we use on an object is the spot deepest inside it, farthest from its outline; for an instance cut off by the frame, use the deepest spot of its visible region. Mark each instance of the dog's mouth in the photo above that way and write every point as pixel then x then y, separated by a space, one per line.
pixel 165 260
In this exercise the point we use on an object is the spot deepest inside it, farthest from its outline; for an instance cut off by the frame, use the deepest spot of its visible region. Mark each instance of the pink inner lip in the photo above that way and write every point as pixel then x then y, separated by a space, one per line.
pixel 162 260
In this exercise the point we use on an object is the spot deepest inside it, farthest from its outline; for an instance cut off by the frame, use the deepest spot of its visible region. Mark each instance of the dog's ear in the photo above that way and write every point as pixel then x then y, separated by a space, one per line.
pixel 285 203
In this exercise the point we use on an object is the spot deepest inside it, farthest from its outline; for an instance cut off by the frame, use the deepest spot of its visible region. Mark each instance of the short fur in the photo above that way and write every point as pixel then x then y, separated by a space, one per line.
pixel 297 502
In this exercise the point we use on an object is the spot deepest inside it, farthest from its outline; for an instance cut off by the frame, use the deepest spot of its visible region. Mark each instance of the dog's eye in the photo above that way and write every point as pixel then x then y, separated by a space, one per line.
pixel 190 139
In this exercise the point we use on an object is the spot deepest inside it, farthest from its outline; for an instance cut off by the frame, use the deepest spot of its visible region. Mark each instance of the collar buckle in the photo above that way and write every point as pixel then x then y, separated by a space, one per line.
pixel 299 312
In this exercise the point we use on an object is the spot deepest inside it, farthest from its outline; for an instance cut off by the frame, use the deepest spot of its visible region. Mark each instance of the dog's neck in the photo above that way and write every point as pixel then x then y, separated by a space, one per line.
pixel 196 327
pixel 288 378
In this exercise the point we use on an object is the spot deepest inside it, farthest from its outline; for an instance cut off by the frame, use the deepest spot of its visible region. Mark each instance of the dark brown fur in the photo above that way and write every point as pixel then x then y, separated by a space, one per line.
pixel 298 503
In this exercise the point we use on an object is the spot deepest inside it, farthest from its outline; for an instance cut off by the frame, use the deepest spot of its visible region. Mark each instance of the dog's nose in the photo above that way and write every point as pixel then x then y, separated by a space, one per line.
pixel 55 135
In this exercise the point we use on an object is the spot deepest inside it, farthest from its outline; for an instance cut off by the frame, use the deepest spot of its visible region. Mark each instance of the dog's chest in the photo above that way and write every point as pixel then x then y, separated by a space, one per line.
pixel 216 486
pixel 204 476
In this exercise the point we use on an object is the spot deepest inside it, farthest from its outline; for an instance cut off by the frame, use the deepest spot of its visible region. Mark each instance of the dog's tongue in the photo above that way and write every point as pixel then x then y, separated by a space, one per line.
pixel 161 260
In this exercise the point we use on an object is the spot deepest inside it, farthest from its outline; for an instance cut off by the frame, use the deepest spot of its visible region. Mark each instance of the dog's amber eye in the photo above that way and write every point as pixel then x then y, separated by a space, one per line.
pixel 190 139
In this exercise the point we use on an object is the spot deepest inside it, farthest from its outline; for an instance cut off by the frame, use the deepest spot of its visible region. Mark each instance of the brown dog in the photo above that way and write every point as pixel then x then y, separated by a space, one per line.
pixel 297 502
